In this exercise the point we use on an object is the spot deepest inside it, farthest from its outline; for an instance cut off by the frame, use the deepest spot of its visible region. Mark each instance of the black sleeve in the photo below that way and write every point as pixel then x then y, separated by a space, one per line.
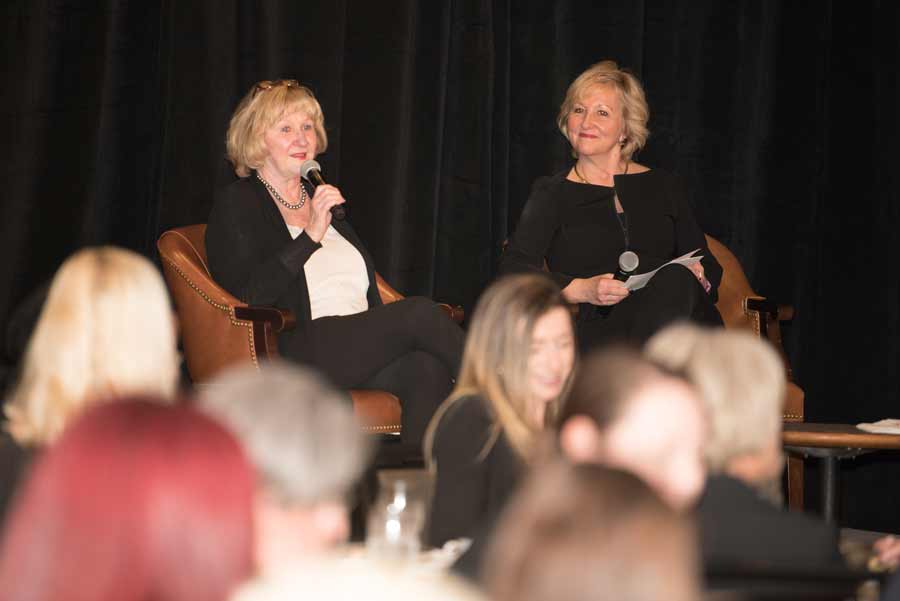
pixel 461 474
pixel 537 225
pixel 241 257
pixel 689 236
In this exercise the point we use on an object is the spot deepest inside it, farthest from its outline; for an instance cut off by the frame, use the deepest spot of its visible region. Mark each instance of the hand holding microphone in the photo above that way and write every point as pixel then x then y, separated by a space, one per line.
pixel 628 262
pixel 311 171
pixel 609 289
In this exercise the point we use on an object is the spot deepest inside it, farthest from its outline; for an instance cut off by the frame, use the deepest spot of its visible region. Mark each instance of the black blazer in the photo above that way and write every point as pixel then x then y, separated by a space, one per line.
pixel 471 486
pixel 739 528
pixel 574 227
pixel 252 255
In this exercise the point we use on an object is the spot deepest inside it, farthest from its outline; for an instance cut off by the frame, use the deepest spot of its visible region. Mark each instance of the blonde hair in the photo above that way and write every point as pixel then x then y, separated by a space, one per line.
pixel 260 108
pixel 495 359
pixel 106 330
pixel 740 379
pixel 635 111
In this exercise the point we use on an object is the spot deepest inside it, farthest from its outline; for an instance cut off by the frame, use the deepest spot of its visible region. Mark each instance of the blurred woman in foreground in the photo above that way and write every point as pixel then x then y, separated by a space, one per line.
pixel 106 329
pixel 135 501
pixel 517 366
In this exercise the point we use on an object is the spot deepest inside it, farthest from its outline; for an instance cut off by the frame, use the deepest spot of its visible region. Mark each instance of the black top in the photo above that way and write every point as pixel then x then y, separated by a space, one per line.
pixel 252 255
pixel 739 528
pixel 574 227
pixel 14 463
pixel 471 484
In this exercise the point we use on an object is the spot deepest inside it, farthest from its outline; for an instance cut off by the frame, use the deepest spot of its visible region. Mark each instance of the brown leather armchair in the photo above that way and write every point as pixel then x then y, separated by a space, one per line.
pixel 218 330
pixel 741 307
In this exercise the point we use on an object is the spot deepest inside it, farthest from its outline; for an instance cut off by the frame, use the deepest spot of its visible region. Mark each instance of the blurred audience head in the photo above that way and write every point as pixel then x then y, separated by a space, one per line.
pixel 625 412
pixel 741 381
pixel 519 355
pixel 260 108
pixel 307 446
pixel 107 329
pixel 585 532
pixel 136 500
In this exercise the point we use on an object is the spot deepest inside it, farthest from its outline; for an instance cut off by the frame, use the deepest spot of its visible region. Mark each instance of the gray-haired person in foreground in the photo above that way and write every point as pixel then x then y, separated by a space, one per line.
pixel 308 449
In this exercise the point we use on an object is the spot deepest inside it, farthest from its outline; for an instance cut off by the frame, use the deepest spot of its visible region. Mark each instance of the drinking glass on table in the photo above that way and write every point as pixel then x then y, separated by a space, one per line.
pixel 394 527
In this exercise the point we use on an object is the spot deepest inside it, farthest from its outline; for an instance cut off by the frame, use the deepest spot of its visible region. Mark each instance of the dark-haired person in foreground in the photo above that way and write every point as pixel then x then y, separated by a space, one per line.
pixel 624 412
pixel 579 221
pixel 584 532
pixel 271 240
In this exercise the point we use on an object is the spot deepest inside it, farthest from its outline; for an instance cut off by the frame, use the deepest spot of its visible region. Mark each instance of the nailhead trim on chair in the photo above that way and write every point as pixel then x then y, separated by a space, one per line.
pixel 381 428
pixel 754 319
pixel 227 309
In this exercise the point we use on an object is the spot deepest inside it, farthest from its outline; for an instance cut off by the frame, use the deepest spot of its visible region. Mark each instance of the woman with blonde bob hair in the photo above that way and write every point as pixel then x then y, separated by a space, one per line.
pixel 245 139
pixel 272 240
pixel 517 366
pixel 581 222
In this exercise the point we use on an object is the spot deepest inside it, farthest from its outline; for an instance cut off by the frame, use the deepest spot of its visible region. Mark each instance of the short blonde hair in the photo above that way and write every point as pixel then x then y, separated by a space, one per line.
pixel 635 111
pixel 106 330
pixel 495 357
pixel 260 108
pixel 740 379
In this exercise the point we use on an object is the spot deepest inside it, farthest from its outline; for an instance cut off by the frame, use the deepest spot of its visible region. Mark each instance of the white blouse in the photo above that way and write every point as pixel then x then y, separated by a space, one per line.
pixel 335 276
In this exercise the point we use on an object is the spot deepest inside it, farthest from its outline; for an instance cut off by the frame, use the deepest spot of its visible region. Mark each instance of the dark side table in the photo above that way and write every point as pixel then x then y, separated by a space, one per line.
pixel 830 443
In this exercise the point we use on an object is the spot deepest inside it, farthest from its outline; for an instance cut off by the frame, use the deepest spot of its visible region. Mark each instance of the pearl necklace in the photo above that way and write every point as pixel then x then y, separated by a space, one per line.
pixel 278 197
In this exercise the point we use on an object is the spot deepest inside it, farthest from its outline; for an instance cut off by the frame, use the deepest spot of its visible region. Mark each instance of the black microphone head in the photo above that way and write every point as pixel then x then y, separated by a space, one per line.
pixel 628 261
pixel 307 166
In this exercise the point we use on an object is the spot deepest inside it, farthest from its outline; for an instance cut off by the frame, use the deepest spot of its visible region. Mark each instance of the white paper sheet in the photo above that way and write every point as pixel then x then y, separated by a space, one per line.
pixel 636 282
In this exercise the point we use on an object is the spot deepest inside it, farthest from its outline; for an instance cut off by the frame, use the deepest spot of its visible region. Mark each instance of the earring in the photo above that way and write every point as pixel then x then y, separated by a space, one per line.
pixel 622 141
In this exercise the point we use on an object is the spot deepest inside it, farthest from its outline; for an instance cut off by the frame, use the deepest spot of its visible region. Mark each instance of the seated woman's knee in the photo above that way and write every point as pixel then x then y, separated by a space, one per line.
pixel 422 310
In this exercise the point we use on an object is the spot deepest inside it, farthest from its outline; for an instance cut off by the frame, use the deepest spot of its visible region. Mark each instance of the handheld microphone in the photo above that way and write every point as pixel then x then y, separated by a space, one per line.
pixel 311 171
pixel 628 262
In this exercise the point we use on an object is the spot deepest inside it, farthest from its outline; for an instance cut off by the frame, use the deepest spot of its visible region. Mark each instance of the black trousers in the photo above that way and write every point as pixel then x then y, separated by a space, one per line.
pixel 673 294
pixel 409 348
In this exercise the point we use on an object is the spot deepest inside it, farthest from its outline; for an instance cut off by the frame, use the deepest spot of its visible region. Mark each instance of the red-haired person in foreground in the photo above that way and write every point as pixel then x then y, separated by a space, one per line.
pixel 135 501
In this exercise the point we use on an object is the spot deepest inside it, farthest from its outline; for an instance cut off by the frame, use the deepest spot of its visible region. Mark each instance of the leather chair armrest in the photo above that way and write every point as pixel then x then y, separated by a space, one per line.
pixel 267 322
pixel 386 291
pixel 454 312
pixel 278 319
pixel 763 305
pixel 785 312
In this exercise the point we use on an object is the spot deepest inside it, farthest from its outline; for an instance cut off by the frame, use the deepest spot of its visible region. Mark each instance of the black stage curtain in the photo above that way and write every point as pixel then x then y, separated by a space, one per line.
pixel 781 115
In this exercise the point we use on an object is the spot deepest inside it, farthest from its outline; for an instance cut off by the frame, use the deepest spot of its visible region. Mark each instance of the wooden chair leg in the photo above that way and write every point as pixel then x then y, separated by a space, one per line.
pixel 795 483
